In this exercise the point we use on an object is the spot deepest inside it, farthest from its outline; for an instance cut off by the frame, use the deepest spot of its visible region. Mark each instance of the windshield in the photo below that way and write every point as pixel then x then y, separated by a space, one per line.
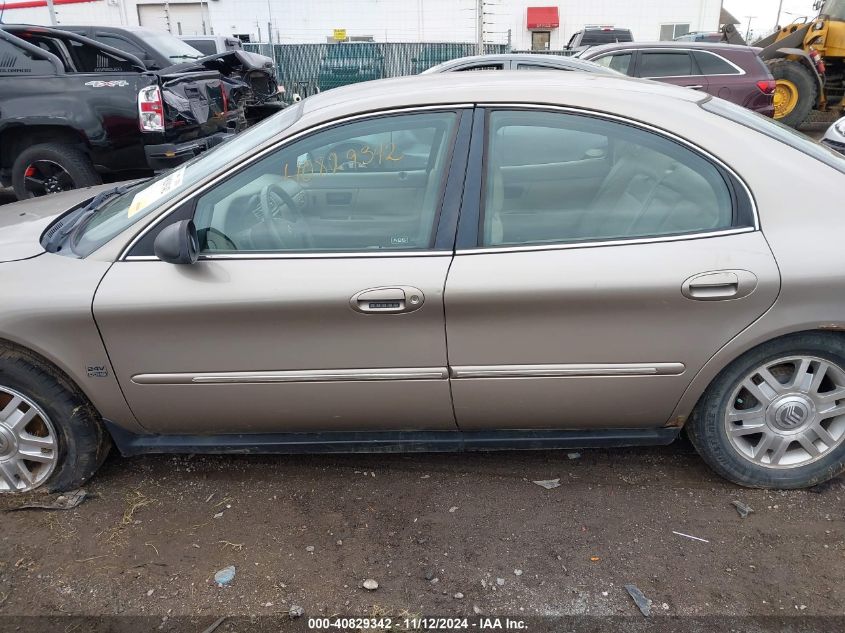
pixel 121 212
pixel 775 130
pixel 835 9
pixel 169 45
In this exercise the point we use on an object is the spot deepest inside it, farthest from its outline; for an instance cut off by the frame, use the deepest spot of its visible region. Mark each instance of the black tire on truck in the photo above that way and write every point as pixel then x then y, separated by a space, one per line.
pixel 796 91
pixel 52 167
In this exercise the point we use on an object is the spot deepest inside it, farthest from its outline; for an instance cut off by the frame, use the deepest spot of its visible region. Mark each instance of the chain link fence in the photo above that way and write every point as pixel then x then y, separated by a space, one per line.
pixel 305 69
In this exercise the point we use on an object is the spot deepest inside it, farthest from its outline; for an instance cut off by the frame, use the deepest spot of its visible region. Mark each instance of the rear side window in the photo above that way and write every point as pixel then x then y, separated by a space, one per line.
pixel 538 67
pixel 17 62
pixel 621 62
pixel 553 177
pixel 481 67
pixel 78 56
pixel 665 64
pixel 712 64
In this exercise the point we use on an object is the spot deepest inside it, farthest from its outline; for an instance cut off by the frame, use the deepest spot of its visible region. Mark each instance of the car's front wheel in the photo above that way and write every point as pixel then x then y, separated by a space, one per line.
pixel 51 437
pixel 775 418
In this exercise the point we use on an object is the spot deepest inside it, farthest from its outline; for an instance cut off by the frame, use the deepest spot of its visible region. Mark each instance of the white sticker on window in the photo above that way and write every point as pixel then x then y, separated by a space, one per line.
pixel 151 194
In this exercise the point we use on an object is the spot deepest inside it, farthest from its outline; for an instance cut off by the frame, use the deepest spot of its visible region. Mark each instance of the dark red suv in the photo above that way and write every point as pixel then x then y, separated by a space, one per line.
pixel 735 73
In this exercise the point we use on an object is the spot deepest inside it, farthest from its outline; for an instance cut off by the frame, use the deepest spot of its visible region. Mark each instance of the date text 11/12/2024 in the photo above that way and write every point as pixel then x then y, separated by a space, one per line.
pixel 420 623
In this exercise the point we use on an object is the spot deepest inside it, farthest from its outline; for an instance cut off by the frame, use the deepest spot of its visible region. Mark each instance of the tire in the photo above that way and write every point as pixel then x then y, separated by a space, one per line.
pixel 77 167
pixel 79 442
pixel 797 75
pixel 708 426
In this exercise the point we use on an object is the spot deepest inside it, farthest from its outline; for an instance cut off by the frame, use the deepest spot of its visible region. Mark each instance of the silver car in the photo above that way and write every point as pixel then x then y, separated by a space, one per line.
pixel 520 61
pixel 465 261
pixel 835 136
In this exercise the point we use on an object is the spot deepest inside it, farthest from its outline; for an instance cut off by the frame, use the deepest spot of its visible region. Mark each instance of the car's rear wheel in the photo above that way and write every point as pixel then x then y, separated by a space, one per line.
pixel 775 418
pixel 50 168
pixel 51 437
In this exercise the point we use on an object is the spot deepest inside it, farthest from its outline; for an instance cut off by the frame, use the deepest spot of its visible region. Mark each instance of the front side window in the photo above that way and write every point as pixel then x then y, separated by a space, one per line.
pixel 620 62
pixel 121 44
pixel 559 178
pixel 365 186
pixel 665 64
pixel 121 212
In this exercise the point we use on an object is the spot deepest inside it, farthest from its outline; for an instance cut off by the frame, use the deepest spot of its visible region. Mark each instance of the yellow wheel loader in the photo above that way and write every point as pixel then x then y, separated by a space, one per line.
pixel 807 60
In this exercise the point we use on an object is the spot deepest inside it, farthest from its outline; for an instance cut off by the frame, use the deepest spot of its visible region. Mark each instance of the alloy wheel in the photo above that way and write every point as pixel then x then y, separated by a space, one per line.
pixel 789 412
pixel 28 443
pixel 43 177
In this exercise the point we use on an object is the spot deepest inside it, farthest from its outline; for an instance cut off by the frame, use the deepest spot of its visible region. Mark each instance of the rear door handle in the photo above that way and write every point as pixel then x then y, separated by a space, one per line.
pixel 387 300
pixel 719 285
pixel 696 87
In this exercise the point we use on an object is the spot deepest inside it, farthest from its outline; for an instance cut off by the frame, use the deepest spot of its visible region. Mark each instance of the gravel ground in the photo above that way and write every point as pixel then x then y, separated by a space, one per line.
pixel 441 534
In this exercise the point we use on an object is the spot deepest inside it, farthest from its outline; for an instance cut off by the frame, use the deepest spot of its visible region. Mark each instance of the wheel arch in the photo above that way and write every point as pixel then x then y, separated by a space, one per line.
pixel 734 350
pixel 53 366
pixel 15 139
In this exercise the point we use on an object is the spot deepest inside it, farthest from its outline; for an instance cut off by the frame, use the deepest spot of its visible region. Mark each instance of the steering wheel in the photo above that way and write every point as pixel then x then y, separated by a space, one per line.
pixel 281 215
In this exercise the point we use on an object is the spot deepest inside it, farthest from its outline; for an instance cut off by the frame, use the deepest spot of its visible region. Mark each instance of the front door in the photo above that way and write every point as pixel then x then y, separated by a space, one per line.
pixel 317 303
pixel 540 40
pixel 609 263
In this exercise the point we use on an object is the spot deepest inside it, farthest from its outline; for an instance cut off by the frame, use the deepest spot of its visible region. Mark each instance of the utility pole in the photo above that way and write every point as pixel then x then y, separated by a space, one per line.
pixel 748 30
pixel 52 12
pixel 777 22
pixel 479 8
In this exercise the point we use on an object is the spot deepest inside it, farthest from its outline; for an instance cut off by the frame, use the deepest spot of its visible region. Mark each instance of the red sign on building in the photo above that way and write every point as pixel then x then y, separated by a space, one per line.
pixel 543 18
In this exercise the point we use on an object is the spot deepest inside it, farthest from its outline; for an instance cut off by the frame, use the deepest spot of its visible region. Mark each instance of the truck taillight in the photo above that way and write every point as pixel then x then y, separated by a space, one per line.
pixel 767 86
pixel 150 110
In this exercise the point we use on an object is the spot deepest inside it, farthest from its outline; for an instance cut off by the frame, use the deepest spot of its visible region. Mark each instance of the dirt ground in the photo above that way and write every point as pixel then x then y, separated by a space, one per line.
pixel 308 530
pixel 443 535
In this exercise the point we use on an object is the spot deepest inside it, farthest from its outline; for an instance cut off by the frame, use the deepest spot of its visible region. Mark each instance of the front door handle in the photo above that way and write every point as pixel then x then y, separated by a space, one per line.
pixel 719 285
pixel 387 300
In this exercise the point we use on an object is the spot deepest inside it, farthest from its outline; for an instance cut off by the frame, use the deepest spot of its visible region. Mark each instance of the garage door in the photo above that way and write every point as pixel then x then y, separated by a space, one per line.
pixel 185 18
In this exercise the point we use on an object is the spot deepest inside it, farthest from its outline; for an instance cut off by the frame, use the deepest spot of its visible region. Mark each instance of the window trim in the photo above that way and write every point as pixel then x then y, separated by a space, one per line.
pixel 472 211
pixel 455 162
pixel 638 51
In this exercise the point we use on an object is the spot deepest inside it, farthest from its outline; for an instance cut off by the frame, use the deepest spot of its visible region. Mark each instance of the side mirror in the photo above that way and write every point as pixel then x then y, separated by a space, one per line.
pixel 178 243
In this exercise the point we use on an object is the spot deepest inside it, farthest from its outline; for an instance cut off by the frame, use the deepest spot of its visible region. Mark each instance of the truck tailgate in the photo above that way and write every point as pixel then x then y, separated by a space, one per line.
pixel 194 103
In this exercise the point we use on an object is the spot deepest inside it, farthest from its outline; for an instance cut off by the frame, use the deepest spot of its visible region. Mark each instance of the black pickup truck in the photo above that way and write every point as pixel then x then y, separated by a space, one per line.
pixel 74 112
pixel 250 77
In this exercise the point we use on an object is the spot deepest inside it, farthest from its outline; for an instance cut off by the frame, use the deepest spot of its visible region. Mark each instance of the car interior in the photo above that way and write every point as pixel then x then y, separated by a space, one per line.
pixel 560 178
pixel 370 185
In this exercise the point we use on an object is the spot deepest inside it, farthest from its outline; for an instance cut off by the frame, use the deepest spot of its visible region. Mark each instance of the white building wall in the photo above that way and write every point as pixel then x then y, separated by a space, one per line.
pixel 295 21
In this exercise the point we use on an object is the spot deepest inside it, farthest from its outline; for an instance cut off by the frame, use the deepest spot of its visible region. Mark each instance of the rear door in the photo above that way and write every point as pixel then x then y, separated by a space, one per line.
pixel 589 299
pixel 672 66
pixel 305 312
pixel 724 78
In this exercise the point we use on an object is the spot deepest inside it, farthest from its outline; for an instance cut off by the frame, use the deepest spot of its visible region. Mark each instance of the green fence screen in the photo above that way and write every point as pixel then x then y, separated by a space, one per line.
pixel 305 69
